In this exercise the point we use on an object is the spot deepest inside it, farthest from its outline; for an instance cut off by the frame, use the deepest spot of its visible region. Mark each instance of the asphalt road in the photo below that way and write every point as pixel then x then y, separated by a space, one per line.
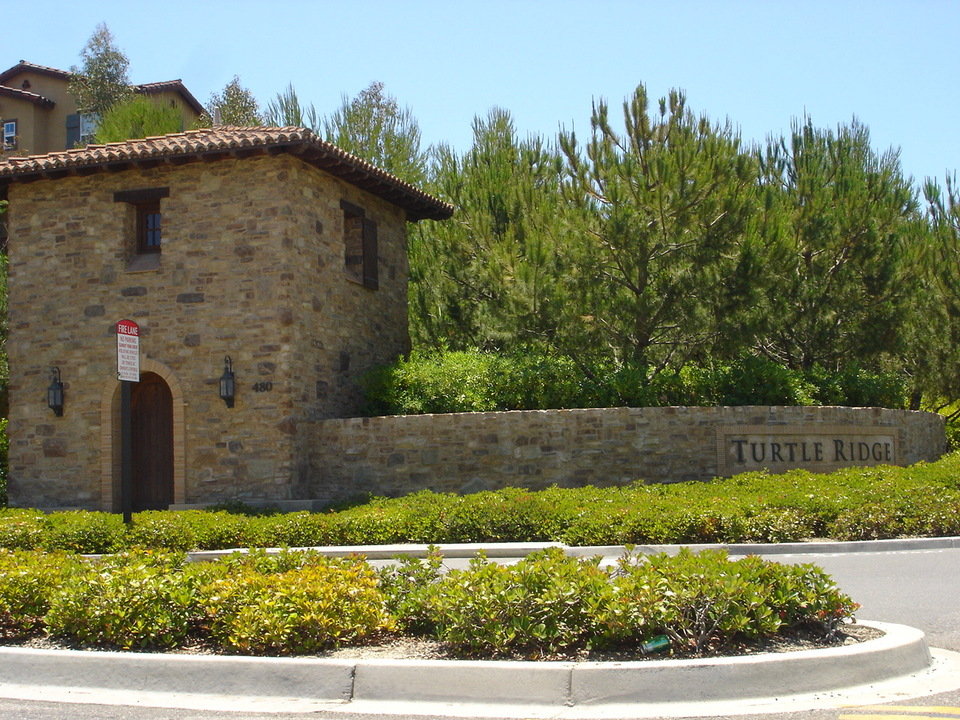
pixel 920 588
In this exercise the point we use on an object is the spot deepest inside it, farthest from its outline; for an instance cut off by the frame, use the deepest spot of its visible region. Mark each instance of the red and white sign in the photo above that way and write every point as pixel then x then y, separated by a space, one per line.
pixel 128 351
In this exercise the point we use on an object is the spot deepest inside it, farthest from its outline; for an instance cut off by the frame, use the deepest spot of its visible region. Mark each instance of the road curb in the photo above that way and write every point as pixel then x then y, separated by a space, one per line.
pixel 352 685
pixel 521 549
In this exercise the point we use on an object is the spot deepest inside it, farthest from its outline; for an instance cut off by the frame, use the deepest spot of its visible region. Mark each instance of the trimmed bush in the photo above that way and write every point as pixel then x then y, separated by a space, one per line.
pixel 322 604
pixel 549 604
pixel 531 380
pixel 28 580
pixel 135 600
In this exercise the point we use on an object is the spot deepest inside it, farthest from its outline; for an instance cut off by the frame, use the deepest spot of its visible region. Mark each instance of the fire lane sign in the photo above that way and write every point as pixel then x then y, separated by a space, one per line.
pixel 128 351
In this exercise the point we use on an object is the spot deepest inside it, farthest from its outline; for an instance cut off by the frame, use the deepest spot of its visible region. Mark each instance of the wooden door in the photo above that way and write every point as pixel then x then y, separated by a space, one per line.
pixel 151 416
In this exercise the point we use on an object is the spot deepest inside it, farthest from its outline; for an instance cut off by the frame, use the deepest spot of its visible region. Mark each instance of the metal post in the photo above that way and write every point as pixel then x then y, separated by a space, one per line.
pixel 126 453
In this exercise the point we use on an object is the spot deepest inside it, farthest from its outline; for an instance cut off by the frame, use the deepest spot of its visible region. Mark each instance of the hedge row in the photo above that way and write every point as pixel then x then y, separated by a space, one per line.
pixel 474 381
pixel 850 504
pixel 547 605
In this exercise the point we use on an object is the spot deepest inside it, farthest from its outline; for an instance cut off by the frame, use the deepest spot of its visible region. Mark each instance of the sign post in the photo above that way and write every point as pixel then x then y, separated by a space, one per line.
pixel 128 371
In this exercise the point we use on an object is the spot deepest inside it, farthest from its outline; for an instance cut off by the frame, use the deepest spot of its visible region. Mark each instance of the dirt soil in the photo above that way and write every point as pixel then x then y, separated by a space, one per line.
pixel 412 648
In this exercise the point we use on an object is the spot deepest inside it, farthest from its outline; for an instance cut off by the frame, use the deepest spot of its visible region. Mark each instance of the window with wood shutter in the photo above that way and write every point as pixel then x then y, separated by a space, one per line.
pixel 147 224
pixel 360 246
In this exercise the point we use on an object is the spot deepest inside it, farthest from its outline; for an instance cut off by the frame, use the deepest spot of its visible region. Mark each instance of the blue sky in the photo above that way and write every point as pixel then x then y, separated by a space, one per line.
pixel 892 64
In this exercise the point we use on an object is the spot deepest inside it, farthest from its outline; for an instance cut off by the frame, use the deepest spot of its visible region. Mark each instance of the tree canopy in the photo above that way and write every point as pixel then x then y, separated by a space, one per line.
pixel 234 105
pixel 101 80
pixel 138 117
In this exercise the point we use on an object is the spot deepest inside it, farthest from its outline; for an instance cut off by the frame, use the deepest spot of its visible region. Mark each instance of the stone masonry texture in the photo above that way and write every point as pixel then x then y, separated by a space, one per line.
pixel 469 452
pixel 252 266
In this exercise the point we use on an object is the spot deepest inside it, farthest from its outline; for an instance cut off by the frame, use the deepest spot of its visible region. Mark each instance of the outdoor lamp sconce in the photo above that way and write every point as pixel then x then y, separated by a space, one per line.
pixel 55 393
pixel 228 384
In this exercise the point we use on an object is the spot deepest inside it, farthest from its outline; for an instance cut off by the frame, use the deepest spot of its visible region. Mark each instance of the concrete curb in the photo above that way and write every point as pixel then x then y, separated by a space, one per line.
pixel 521 549
pixel 584 689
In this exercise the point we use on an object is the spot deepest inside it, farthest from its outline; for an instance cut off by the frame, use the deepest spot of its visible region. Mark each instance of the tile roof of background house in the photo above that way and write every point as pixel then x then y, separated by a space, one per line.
pixel 146 88
pixel 24 66
pixel 223 142
pixel 175 86
pixel 26 95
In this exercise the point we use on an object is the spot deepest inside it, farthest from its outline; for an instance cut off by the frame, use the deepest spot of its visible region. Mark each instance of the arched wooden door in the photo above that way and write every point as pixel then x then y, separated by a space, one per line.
pixel 151 419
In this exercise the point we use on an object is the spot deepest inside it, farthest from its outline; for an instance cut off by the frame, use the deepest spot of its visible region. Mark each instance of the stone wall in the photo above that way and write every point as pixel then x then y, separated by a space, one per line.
pixel 468 452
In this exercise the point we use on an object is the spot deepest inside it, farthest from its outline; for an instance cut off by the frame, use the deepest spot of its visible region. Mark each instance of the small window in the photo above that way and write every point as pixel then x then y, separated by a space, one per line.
pixel 148 225
pixel 9 134
pixel 360 246
pixel 88 127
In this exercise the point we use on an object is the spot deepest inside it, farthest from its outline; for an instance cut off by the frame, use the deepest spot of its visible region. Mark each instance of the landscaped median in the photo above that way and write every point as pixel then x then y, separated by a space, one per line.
pixel 547 606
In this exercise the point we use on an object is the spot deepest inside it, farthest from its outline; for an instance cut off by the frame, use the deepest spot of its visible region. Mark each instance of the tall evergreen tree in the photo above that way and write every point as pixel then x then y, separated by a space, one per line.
pixel 489 277
pixel 666 205
pixel 101 80
pixel 938 335
pixel 285 110
pixel 843 218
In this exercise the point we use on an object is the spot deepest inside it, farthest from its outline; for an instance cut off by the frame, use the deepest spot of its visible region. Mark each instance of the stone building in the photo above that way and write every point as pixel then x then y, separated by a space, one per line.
pixel 262 250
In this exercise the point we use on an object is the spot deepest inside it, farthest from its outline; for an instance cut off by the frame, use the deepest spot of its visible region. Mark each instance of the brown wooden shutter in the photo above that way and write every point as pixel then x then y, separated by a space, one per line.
pixel 370 273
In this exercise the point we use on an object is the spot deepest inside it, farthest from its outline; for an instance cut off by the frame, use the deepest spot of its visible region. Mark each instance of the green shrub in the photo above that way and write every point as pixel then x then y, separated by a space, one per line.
pixel 532 379
pixel 321 605
pixel 4 447
pixel 296 529
pixel 164 530
pixel 757 381
pixel 135 600
pixel 406 584
pixel 545 604
pixel 28 580
pixel 83 532
pixel 22 529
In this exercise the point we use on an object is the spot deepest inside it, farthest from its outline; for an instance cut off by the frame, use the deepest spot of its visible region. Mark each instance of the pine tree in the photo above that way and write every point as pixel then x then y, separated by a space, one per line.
pixel 665 207
pixel 489 277
pixel 286 111
pixel 138 117
pixel 844 219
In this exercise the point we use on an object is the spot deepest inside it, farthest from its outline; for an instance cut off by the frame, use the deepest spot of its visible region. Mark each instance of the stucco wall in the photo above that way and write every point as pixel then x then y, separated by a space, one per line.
pixel 467 452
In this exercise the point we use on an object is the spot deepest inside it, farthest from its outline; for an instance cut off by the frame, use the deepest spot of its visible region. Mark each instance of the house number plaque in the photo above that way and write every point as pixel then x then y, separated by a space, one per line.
pixel 263 386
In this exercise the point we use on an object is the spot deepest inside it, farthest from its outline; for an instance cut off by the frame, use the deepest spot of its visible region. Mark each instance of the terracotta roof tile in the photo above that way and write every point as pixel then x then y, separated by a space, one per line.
pixel 175 86
pixel 225 141
pixel 26 95
pixel 24 66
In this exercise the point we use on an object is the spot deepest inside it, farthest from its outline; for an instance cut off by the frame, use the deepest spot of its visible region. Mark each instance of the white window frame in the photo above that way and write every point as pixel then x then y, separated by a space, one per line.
pixel 88 127
pixel 9 134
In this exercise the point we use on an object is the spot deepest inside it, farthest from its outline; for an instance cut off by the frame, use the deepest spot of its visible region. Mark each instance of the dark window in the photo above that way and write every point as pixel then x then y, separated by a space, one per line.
pixel 146 204
pixel 73 131
pixel 360 246
pixel 148 227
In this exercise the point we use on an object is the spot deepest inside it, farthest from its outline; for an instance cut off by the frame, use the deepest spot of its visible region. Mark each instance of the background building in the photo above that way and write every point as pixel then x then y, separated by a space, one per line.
pixel 39 115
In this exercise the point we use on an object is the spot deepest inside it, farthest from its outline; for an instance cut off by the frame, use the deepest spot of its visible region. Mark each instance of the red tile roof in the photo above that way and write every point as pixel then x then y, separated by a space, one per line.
pixel 174 86
pixel 24 66
pixel 223 142
pixel 146 88
pixel 26 95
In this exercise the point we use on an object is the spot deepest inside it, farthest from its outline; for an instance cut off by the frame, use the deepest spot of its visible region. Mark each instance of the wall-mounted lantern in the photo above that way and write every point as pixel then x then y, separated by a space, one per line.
pixel 55 393
pixel 228 385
